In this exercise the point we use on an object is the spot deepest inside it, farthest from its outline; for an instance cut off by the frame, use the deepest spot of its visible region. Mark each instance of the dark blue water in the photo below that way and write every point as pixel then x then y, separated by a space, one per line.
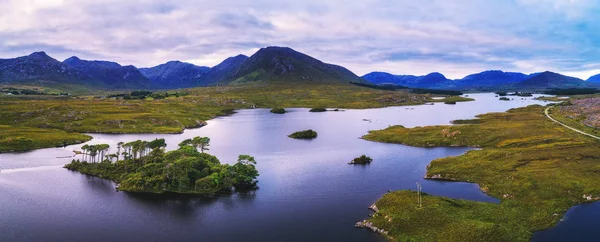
pixel 307 191
pixel 580 223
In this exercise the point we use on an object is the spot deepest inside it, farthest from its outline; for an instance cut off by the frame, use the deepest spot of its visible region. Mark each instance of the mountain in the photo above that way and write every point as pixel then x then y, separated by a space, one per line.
pixel 282 64
pixel 39 69
pixel 594 79
pixel 547 80
pixel 431 80
pixel 387 78
pixel 489 79
pixel 217 74
pixel 175 74
pixel 110 74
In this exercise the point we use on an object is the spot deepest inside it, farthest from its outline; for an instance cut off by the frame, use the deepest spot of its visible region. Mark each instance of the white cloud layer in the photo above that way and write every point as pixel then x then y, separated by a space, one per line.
pixel 455 38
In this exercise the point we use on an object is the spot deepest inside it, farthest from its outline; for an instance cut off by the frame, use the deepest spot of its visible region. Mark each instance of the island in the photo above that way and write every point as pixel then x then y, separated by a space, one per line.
pixel 305 134
pixel 361 160
pixel 317 110
pixel 534 166
pixel 145 167
pixel 278 110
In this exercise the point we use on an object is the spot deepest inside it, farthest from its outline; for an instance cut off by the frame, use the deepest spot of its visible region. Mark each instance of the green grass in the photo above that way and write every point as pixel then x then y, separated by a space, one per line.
pixel 171 115
pixel 19 138
pixel 537 168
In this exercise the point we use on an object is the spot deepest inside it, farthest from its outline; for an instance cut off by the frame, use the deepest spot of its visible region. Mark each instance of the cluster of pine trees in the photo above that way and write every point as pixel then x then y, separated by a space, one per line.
pixel 145 166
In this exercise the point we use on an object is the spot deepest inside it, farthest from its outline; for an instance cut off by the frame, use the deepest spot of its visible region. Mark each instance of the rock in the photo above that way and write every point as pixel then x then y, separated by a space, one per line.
pixel 374 208
pixel 436 176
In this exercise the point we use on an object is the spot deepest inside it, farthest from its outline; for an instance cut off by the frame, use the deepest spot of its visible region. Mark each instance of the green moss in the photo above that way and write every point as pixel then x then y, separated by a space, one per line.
pixel 305 134
pixel 537 169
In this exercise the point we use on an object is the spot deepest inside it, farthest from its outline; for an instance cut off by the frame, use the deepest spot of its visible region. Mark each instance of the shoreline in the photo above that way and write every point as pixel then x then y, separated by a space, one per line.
pixel 518 204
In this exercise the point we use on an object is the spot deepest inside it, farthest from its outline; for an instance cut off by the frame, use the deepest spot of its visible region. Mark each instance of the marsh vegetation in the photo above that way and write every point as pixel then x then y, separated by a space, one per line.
pixel 61 119
pixel 537 169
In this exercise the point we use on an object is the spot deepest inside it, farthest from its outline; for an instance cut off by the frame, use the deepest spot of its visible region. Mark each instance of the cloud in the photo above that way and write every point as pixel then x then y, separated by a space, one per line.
pixel 415 37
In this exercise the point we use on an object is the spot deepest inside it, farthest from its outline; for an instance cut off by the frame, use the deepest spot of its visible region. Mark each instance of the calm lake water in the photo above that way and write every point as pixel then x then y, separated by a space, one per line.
pixel 307 192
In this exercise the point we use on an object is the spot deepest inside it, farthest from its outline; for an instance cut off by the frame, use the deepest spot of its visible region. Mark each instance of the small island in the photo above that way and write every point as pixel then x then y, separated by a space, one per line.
pixel 504 99
pixel 305 134
pixel 317 110
pixel 278 110
pixel 145 167
pixel 361 160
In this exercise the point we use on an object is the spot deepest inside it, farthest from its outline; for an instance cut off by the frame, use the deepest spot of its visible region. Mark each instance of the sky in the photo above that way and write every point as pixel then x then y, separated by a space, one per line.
pixel 455 38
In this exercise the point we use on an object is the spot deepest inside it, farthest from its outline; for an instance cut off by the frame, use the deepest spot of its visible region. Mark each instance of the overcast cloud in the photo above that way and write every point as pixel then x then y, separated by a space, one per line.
pixel 455 38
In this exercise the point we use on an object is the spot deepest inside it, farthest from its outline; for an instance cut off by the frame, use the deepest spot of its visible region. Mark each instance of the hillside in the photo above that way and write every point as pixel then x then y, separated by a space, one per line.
pixel 175 74
pixel 39 69
pixel 387 78
pixel 595 79
pixel 431 80
pixel 218 73
pixel 488 79
pixel 547 80
pixel 110 75
pixel 282 64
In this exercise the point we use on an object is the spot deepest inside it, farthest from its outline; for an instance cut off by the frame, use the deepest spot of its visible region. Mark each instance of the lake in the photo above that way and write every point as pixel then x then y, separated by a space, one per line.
pixel 307 192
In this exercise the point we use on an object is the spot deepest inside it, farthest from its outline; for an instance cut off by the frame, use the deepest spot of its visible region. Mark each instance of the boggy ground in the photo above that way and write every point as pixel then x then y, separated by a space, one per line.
pixel 31 122
pixel 535 167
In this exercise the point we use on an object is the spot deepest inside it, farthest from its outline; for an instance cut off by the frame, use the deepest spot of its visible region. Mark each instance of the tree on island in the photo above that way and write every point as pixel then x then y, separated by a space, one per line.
pixel 197 142
pixel 148 168
pixel 245 171
pixel 361 160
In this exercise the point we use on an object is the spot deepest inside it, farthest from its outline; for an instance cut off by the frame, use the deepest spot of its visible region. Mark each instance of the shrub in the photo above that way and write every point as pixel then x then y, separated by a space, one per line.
pixel 361 160
pixel 317 110
pixel 278 110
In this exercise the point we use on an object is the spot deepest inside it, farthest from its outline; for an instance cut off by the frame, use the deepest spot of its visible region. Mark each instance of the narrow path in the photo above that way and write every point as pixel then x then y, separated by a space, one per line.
pixel 567 126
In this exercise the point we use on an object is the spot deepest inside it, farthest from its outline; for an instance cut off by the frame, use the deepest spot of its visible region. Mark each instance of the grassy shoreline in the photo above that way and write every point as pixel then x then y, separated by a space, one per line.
pixel 69 117
pixel 535 167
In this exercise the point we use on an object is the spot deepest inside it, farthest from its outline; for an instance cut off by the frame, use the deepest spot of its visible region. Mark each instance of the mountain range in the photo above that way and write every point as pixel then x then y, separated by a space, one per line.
pixel 268 65
pixel 485 81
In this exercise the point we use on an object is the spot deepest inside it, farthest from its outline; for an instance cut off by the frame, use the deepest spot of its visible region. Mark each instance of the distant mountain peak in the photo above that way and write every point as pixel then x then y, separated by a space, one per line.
pixel 71 59
pixel 436 74
pixel 594 79
pixel 283 64
pixel 40 55
pixel 175 74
